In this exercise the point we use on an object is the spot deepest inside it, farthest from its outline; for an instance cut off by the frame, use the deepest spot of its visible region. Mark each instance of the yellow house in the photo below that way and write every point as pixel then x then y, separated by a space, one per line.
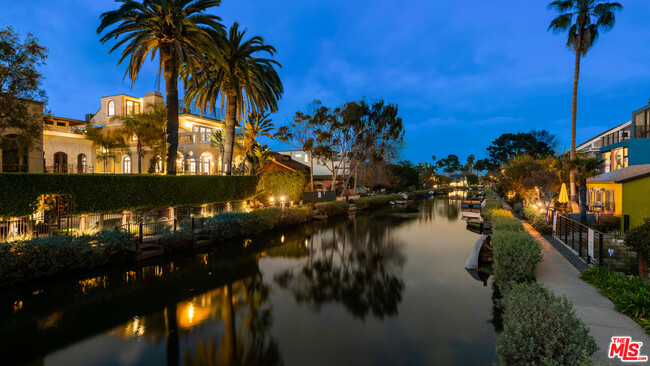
pixel 196 155
pixel 624 192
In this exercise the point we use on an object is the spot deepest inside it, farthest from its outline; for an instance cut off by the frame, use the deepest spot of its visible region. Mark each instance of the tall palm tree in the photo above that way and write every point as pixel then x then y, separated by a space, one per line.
pixel 585 168
pixel 584 19
pixel 179 29
pixel 148 128
pixel 240 79
pixel 255 126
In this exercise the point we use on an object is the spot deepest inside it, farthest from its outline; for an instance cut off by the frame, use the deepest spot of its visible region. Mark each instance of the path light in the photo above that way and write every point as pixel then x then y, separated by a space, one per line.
pixel 282 201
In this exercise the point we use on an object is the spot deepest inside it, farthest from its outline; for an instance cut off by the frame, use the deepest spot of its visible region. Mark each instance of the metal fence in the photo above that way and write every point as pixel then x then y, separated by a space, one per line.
pixel 594 247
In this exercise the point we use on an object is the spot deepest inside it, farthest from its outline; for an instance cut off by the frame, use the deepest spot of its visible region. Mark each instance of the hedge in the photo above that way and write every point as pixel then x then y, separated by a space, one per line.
pixel 235 224
pixel 333 208
pixel 516 255
pixel 375 201
pixel 540 328
pixel 97 193
pixel 290 184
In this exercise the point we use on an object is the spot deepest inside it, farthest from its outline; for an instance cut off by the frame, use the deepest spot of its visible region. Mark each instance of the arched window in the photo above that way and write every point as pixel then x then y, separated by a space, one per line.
pixel 60 162
pixel 180 164
pixel 206 163
pixel 126 164
pixel 159 165
pixel 82 163
pixel 111 107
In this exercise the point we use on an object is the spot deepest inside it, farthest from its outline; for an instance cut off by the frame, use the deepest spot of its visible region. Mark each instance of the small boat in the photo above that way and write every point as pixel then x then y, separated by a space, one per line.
pixel 427 196
pixel 480 254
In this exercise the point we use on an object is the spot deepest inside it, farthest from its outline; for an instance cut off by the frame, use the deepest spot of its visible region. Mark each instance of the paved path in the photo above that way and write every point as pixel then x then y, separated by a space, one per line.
pixel 605 322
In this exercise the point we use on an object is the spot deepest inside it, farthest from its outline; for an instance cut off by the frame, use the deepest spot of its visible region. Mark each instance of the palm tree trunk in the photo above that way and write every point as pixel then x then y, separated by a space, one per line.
pixel 170 71
pixel 583 201
pixel 574 117
pixel 231 122
pixel 139 157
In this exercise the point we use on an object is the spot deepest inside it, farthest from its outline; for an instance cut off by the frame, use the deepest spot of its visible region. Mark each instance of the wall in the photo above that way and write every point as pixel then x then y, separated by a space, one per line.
pixel 619 204
pixel 636 200
pixel 69 143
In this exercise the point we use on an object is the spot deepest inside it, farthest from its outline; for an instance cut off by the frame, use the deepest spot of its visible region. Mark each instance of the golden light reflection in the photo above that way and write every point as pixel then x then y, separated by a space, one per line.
pixel 134 328
pixel 18 306
pixel 91 283
pixel 282 239
pixel 247 243
pixel 204 258
pixel 193 312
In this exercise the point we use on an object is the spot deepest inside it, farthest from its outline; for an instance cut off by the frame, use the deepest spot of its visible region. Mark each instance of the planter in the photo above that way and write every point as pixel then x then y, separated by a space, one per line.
pixel 643 266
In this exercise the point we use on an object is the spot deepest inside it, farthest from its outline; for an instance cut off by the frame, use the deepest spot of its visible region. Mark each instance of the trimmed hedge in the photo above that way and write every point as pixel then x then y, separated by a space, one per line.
pixel 540 328
pixel 290 184
pixel 235 224
pixel 516 255
pixel 506 224
pixel 375 201
pixel 35 258
pixel 333 208
pixel 96 193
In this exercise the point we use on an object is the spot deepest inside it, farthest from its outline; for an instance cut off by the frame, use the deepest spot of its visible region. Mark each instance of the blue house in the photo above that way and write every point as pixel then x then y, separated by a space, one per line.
pixel 629 146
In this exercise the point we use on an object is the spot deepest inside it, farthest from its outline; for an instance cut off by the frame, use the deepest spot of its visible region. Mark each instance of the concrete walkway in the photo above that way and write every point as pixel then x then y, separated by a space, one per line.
pixel 605 322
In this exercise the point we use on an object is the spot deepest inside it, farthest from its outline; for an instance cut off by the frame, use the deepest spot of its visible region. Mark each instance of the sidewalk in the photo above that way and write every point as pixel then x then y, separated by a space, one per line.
pixel 605 322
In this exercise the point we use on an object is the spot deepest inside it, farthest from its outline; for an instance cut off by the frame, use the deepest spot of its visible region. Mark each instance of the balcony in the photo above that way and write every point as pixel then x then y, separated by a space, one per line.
pixel 615 137
pixel 70 169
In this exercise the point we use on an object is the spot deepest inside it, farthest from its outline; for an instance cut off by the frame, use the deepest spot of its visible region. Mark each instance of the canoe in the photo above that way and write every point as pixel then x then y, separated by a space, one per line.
pixel 475 255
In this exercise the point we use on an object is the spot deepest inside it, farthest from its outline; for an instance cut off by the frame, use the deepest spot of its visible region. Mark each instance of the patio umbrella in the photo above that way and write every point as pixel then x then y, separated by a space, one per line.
pixel 564 197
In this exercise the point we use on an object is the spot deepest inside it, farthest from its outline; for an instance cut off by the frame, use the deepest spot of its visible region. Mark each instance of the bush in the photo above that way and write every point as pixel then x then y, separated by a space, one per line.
pixel 504 221
pixel 235 224
pixel 41 257
pixel 630 295
pixel 333 208
pixel 518 208
pixel 290 184
pixel 638 239
pixel 96 193
pixel 516 255
pixel 542 329
pixel 374 201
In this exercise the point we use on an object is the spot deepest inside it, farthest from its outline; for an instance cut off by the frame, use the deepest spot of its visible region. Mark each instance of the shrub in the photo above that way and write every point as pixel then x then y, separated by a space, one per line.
pixel 294 215
pixel 542 329
pixel 231 224
pixel 518 208
pixel 516 255
pixel 630 295
pixel 503 220
pixel 638 239
pixel 41 257
pixel 374 201
pixel 95 193
pixel 333 208
pixel 290 184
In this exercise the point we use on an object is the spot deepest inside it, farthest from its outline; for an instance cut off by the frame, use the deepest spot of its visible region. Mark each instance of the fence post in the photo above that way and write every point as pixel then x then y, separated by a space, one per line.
pixel 192 223
pixel 580 242
pixel 140 234
pixel 600 249
pixel 174 226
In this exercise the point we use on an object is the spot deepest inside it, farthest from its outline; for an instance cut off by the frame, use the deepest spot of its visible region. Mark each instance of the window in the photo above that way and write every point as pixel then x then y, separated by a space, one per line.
pixel 607 158
pixel 126 164
pixel 82 162
pixel 206 163
pixel 60 162
pixel 620 158
pixel 111 107
pixel 132 107
pixel 204 133
pixel 159 165
pixel 180 164
pixel 192 166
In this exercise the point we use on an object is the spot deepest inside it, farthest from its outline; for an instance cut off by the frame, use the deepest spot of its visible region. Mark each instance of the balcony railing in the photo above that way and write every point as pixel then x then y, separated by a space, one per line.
pixel 14 168
pixel 615 137
pixel 70 169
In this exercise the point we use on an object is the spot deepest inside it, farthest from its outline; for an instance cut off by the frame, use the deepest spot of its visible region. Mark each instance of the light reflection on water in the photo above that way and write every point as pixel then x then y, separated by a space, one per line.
pixel 381 288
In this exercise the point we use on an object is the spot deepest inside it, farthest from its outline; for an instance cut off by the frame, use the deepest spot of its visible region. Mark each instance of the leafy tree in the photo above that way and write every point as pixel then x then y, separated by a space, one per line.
pixel 20 81
pixel 300 133
pixel 470 163
pixel 258 157
pixel 585 168
pixel 583 19
pixel 406 174
pixel 179 30
pixel 240 79
pixel 255 126
pixel 546 137
pixel 472 179
pixel 450 164
pixel 525 173
pixel 511 145
pixel 333 140
pixel 148 128
pixel 107 142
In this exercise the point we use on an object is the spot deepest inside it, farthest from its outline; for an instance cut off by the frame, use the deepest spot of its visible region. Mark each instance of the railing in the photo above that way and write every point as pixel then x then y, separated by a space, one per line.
pixel 15 168
pixel 615 137
pixel 593 246
pixel 70 169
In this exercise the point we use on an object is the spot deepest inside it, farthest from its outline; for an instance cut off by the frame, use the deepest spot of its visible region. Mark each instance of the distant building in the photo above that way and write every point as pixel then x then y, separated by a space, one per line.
pixel 322 169
pixel 592 146
pixel 15 158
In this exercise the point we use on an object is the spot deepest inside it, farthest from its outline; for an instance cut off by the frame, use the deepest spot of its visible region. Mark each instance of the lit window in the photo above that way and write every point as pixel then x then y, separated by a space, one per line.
pixel 126 164
pixel 111 108
pixel 159 164
pixel 192 166
pixel 132 107
pixel 607 157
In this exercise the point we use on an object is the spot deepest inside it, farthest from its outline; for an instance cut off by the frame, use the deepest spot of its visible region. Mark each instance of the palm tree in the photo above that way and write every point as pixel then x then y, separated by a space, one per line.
pixel 106 142
pixel 179 29
pixel 258 157
pixel 256 125
pixel 148 128
pixel 583 19
pixel 242 80
pixel 585 168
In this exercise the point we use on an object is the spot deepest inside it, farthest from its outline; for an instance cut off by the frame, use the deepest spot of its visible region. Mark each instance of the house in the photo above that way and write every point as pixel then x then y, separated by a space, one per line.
pixel 15 158
pixel 616 134
pixel 284 163
pixel 458 180
pixel 623 192
pixel 322 169
pixel 65 150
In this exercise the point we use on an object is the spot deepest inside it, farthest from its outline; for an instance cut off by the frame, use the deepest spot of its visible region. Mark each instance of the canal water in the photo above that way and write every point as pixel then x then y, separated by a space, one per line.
pixel 381 288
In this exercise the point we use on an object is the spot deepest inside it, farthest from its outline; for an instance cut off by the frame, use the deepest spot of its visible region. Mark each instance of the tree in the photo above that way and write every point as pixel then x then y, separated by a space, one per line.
pixel 299 134
pixel 258 157
pixel 585 168
pixel 526 173
pixel 333 139
pixel 20 81
pixel 148 129
pixel 239 79
pixel 511 145
pixel 546 137
pixel 584 19
pixel 450 164
pixel 470 164
pixel 256 125
pixel 106 142
pixel 406 174
pixel 180 30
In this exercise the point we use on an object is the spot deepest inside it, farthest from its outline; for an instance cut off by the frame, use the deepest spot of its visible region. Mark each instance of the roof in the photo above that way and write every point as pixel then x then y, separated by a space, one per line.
pixel 71 121
pixel 287 162
pixel 621 126
pixel 628 174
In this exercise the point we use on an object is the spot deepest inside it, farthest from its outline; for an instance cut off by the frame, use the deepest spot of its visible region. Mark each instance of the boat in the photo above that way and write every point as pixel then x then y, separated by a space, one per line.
pixel 481 253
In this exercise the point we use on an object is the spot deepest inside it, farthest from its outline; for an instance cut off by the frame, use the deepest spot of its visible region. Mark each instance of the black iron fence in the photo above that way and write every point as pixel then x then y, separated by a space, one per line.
pixel 595 247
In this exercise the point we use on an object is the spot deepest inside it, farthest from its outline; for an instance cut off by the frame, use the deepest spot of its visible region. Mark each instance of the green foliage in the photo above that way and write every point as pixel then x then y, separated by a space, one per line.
pixel 472 179
pixel 333 208
pixel 236 224
pixel 516 255
pixel 42 257
pixel 518 208
pixel 375 201
pixel 406 174
pixel 118 192
pixel 630 295
pixel 506 224
pixel 540 328
pixel 290 184
pixel 638 239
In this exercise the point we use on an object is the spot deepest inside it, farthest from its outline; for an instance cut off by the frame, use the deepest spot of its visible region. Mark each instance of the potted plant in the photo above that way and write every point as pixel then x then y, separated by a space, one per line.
pixel 638 239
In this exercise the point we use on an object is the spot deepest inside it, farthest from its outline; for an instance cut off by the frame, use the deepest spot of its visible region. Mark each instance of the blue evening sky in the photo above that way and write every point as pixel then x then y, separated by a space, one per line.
pixel 462 72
